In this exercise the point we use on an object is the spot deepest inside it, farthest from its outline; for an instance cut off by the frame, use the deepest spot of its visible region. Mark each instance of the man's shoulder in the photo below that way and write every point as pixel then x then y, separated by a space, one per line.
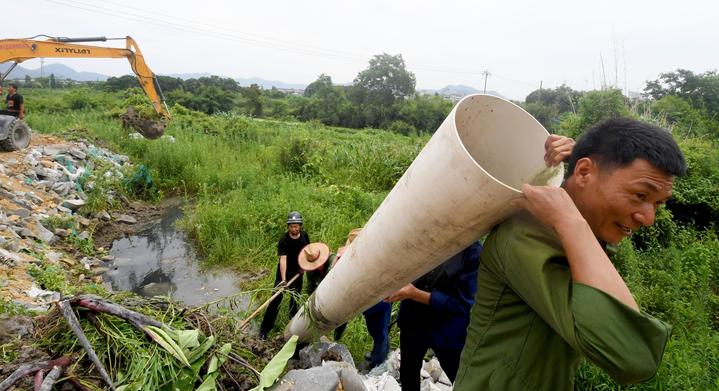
pixel 524 230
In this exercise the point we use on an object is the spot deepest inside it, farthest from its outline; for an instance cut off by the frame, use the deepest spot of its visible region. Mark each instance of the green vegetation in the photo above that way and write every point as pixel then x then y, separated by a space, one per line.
pixel 243 175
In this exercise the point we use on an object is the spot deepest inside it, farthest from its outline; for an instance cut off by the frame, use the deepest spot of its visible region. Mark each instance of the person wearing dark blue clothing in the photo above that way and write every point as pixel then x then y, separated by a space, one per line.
pixel 434 313
pixel 377 319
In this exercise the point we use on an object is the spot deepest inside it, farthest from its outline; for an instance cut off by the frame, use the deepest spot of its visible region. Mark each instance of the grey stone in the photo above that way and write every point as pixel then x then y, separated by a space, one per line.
pixel 84 235
pixel 61 232
pixel 34 199
pixel 351 380
pixel 73 204
pixel 11 162
pixel 78 154
pixel 22 213
pixel 89 262
pixel 15 326
pixel 26 233
pixel 6 195
pixel 2 169
pixel 54 149
pixel 126 219
pixel 313 379
pixel 313 355
pixel 44 234
pixel 107 258
pixel 9 258
pixel 99 271
pixel 64 209
pixel 53 256
pixel 433 368
pixel 83 221
pixel 103 215
pixel 427 385
pixel 63 188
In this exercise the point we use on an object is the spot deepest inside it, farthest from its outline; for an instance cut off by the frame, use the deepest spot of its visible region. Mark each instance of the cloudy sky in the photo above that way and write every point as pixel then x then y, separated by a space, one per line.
pixel 520 43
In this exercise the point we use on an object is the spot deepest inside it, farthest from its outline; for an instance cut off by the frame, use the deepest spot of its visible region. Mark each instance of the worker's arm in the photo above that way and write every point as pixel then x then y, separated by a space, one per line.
pixel 410 292
pixel 21 113
pixel 283 267
pixel 588 262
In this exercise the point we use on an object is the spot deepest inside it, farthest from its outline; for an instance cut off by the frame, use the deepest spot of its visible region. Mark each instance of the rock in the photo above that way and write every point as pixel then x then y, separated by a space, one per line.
pixel 83 221
pixel 21 212
pixel 73 204
pixel 89 262
pixel 427 385
pixel 63 188
pixel 64 209
pixel 433 368
pixel 42 295
pixel 6 195
pixel 84 235
pixel 63 233
pixel 11 162
pixel 383 382
pixel 107 258
pixel 313 355
pixel 43 233
pixel 313 379
pixel 157 289
pixel 15 326
pixel 9 258
pixel 34 199
pixel 2 169
pixel 443 379
pixel 99 271
pixel 126 219
pixel 55 149
pixel 78 154
pixel 424 374
pixel 103 215
pixel 53 256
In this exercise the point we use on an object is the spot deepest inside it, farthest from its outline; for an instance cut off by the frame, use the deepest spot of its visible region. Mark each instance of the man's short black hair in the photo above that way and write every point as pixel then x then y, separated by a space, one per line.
pixel 13 85
pixel 617 142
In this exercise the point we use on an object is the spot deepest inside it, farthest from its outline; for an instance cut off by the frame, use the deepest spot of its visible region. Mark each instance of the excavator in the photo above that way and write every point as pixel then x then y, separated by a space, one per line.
pixel 14 133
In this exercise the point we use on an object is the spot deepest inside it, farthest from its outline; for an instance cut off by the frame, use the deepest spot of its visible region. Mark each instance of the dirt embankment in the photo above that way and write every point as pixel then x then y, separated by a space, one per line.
pixel 42 191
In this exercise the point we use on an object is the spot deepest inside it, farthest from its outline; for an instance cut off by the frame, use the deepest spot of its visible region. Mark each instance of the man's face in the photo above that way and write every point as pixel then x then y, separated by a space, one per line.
pixel 617 202
pixel 11 90
pixel 294 229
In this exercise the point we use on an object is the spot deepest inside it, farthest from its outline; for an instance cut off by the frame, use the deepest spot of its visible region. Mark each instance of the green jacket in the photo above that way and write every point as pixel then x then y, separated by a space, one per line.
pixel 530 324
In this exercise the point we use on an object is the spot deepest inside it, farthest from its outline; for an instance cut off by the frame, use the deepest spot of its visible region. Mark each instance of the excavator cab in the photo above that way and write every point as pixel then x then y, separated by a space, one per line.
pixel 19 50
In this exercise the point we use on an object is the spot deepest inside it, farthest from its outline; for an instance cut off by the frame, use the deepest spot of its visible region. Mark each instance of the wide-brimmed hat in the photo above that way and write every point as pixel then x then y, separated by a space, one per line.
pixel 313 256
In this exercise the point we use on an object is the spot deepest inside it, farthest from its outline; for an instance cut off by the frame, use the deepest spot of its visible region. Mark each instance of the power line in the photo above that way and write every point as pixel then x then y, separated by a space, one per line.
pixel 234 35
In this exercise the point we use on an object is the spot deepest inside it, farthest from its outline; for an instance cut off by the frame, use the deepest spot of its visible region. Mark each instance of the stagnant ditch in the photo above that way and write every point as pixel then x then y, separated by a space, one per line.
pixel 159 260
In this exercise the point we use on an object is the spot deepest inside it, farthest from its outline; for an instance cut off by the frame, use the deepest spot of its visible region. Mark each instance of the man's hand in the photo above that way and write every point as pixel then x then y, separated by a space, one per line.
pixel 410 292
pixel 551 205
pixel 556 149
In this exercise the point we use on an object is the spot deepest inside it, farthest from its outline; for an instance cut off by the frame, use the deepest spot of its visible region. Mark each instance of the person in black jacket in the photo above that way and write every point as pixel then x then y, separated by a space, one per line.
pixel 434 313
pixel 288 250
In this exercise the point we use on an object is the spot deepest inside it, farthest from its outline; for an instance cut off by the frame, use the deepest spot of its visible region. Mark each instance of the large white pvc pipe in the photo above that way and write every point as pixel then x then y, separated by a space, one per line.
pixel 457 188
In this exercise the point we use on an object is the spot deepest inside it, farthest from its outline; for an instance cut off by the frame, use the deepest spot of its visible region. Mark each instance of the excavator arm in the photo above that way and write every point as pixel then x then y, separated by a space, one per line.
pixel 19 50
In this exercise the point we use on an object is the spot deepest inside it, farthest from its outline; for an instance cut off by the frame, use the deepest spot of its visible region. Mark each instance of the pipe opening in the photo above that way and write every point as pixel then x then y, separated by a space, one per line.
pixel 504 140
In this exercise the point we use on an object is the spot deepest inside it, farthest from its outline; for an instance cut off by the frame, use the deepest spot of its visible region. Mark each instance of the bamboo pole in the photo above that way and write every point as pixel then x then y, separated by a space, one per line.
pixel 266 303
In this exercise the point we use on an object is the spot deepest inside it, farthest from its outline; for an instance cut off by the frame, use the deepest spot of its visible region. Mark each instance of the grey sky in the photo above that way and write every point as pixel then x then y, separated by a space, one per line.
pixel 443 42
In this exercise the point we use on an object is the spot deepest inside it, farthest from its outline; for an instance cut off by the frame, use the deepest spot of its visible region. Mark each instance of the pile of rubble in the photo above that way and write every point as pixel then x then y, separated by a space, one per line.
pixel 328 366
pixel 42 184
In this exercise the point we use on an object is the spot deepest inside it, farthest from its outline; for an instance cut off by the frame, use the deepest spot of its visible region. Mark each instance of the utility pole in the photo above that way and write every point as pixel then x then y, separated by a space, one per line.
pixel 486 74
pixel 540 92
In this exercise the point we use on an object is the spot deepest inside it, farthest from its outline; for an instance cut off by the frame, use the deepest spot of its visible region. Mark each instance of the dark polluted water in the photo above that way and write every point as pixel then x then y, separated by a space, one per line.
pixel 160 261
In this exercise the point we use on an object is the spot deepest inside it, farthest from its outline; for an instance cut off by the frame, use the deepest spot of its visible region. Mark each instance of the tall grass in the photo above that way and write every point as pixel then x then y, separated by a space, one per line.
pixel 242 176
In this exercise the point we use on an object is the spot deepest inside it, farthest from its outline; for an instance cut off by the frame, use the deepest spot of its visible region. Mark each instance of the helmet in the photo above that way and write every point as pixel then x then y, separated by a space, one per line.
pixel 294 218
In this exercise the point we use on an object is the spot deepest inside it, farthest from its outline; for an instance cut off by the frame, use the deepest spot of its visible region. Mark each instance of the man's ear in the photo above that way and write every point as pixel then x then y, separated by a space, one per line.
pixel 584 170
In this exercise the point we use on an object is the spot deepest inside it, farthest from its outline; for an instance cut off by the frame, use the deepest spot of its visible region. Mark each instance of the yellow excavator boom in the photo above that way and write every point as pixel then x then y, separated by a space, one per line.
pixel 19 50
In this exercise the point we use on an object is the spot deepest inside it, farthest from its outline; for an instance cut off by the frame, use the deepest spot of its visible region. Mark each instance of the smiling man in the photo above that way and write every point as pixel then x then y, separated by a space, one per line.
pixel 548 294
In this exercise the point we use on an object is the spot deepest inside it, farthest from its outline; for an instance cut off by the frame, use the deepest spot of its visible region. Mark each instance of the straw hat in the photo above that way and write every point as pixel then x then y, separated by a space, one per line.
pixel 313 256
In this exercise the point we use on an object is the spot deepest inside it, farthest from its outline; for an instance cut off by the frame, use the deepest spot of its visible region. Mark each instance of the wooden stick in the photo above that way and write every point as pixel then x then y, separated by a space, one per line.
pixel 51 378
pixel 266 303
pixel 66 310
pixel 28 368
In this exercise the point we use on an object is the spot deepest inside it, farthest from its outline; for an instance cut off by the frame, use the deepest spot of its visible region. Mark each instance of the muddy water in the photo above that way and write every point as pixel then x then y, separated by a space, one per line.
pixel 159 260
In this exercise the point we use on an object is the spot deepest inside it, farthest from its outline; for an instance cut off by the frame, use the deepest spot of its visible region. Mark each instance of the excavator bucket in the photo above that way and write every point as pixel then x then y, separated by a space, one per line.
pixel 148 128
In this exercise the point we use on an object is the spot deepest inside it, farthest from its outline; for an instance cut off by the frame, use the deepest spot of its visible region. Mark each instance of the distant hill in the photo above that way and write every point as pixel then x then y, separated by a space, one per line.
pixel 59 70
pixel 269 83
pixel 456 92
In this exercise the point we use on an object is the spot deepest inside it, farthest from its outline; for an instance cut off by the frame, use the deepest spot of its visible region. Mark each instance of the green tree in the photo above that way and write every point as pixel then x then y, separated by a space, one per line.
pixel 385 81
pixel 52 81
pixel 121 83
pixel 322 83
pixel 253 95
pixel 701 90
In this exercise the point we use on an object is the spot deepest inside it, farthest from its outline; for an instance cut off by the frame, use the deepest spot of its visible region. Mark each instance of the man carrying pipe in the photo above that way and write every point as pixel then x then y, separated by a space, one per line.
pixel 548 294
pixel 288 250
